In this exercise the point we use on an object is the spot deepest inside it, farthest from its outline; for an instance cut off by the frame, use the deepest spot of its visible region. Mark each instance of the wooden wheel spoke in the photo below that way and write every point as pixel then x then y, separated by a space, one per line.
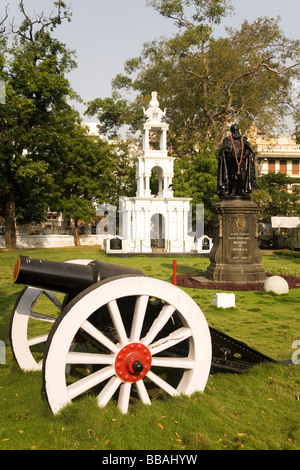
pixel 117 321
pixel 42 317
pixel 53 299
pixel 89 358
pixel 162 383
pixel 158 324
pixel 173 362
pixel 99 336
pixel 174 338
pixel 89 382
pixel 37 340
pixel 124 397
pixel 108 391
pixel 138 317
pixel 142 392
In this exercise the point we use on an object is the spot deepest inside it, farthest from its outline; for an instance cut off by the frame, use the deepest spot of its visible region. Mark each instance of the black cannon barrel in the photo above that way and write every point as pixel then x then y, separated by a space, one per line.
pixel 69 278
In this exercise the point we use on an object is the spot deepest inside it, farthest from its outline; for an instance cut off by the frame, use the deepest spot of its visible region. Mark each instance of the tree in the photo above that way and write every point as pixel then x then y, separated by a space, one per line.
pixel 122 158
pixel 196 179
pixel 294 238
pixel 85 176
pixel 274 196
pixel 205 81
pixel 33 66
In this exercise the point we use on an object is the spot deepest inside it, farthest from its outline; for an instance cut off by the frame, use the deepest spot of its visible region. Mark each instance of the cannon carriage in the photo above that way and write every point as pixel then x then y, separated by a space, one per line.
pixel 100 328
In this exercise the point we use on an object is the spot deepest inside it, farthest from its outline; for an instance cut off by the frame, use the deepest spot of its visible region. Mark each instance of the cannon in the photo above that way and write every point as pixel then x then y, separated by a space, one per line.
pixel 110 330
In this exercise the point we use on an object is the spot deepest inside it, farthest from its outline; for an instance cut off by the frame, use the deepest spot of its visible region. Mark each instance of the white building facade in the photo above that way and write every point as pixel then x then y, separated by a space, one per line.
pixel 155 221
pixel 279 155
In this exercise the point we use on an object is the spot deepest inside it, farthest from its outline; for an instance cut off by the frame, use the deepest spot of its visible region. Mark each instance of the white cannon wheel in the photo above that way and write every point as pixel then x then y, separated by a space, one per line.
pixel 27 315
pixel 141 339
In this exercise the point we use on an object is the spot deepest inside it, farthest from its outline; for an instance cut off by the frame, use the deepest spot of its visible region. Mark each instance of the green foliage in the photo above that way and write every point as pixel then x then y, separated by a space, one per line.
pixel 47 158
pixel 202 11
pixel 288 254
pixel 84 175
pixel 274 196
pixel 33 68
pixel 206 82
pixel 110 112
pixel 196 179
pixel 294 239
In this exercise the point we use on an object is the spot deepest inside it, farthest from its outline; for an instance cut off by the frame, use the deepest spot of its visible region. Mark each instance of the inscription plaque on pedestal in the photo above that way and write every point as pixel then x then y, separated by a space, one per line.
pixel 237 242
pixel 235 255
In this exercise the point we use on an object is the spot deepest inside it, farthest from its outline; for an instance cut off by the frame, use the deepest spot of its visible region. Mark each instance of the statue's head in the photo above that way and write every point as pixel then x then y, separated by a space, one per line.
pixel 235 131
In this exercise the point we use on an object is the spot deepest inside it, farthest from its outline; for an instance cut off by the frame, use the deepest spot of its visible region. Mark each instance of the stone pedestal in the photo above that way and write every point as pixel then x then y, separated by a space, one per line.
pixel 235 255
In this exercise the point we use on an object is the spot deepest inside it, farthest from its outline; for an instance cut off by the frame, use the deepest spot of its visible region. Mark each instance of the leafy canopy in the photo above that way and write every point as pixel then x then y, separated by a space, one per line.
pixel 46 157
pixel 206 82
pixel 276 195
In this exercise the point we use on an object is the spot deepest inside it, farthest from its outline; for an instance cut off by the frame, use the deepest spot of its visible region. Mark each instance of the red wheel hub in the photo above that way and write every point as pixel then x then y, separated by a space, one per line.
pixel 133 362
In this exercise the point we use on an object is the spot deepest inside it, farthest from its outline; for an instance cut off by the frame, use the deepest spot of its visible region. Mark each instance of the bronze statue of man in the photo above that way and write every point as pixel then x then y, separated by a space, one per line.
pixel 236 169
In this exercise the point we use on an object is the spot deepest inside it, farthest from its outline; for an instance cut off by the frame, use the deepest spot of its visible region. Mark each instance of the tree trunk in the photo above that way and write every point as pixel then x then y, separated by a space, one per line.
pixel 10 220
pixel 76 234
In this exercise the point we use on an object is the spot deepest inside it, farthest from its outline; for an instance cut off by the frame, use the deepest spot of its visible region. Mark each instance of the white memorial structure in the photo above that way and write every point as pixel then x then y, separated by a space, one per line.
pixel 154 220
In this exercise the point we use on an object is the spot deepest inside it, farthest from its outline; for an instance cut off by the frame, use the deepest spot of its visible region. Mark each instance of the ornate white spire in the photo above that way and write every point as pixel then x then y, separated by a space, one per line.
pixel 154 113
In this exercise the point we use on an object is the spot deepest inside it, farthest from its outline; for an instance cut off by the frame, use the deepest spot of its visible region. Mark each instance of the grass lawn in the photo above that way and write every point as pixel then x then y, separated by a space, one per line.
pixel 259 410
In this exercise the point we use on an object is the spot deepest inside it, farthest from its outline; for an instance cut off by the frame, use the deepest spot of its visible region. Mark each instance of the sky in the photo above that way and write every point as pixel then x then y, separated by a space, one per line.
pixel 105 33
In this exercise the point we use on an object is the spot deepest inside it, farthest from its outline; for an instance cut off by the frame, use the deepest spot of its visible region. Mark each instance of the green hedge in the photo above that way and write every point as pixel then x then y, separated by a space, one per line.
pixel 289 254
